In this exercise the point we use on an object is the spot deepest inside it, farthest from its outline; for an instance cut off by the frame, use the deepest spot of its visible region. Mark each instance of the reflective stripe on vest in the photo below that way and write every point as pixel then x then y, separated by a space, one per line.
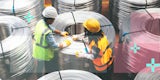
pixel 41 40
pixel 105 63
pixel 99 66
pixel 41 49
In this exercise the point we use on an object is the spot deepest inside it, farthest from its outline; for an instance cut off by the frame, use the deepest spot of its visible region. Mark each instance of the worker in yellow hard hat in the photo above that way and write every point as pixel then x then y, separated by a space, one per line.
pixel 98 48
pixel 44 44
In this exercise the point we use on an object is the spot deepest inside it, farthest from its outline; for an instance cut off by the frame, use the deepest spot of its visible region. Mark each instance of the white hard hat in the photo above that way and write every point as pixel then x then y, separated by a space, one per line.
pixel 49 12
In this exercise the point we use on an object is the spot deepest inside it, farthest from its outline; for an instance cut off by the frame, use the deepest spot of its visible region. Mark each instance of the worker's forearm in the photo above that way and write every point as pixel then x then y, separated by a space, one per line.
pixel 57 31
pixel 51 41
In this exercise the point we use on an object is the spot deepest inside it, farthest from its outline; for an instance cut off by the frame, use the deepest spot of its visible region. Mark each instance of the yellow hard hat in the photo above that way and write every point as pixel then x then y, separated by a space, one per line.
pixel 92 25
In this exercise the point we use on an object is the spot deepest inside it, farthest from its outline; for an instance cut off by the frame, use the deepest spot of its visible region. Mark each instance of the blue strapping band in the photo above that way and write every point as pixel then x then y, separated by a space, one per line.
pixel 86 50
pixel 124 34
pixel 13 10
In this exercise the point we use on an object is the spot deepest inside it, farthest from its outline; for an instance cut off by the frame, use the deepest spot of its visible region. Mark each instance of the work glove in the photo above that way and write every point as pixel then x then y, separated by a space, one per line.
pixel 75 37
pixel 81 54
pixel 65 43
pixel 78 36
pixel 64 33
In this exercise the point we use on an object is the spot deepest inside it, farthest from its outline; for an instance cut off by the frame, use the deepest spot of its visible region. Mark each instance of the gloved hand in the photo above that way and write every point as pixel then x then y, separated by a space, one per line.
pixel 64 33
pixel 74 37
pixel 65 43
pixel 78 36
pixel 81 54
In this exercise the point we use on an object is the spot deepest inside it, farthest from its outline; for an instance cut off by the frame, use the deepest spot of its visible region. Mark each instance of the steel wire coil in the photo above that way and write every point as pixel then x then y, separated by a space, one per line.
pixel 122 8
pixel 16 46
pixel 146 74
pixel 140 29
pixel 74 5
pixel 28 10
pixel 70 75
pixel 72 22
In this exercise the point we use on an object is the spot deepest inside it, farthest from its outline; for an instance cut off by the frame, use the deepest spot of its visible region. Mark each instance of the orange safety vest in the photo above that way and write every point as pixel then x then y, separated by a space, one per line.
pixel 104 59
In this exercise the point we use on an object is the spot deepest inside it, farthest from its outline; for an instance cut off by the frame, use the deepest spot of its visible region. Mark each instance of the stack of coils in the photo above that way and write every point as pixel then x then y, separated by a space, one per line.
pixel 16 46
pixel 74 5
pixel 28 10
pixel 147 74
pixel 122 8
pixel 70 75
pixel 72 22
pixel 141 40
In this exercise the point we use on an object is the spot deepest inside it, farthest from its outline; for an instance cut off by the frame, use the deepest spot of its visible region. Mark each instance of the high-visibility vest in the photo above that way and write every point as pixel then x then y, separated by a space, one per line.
pixel 41 49
pixel 104 58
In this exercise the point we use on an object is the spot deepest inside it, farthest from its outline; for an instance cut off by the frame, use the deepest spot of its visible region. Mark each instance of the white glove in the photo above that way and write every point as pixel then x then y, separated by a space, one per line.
pixel 74 37
pixel 78 36
pixel 81 54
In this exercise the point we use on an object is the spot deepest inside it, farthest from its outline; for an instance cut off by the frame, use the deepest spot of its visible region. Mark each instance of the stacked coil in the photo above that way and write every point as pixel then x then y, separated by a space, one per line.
pixel 70 75
pixel 141 40
pixel 16 46
pixel 146 74
pixel 72 22
pixel 74 5
pixel 28 10
pixel 122 8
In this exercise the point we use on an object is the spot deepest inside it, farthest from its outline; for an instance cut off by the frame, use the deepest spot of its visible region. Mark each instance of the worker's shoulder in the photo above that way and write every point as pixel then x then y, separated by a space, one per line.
pixel 40 23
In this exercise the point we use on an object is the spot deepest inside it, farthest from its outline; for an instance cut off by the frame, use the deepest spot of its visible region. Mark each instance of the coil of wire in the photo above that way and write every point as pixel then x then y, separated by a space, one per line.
pixel 74 5
pixel 122 8
pixel 28 10
pixel 16 46
pixel 141 39
pixel 146 74
pixel 70 75
pixel 72 23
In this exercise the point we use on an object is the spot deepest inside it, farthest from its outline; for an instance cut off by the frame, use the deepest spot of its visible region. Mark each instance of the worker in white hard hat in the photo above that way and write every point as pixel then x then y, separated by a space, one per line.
pixel 98 49
pixel 44 44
